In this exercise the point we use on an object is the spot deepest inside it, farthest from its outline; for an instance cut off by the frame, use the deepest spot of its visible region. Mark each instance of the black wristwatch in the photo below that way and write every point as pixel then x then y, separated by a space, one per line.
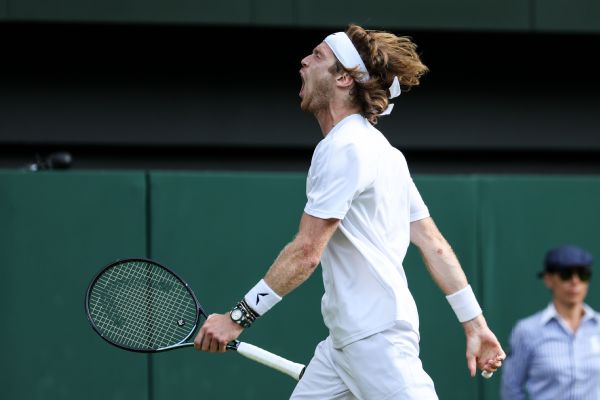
pixel 241 315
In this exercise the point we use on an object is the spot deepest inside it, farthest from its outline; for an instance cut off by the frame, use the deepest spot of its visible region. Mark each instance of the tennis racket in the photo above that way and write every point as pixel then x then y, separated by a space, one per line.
pixel 139 305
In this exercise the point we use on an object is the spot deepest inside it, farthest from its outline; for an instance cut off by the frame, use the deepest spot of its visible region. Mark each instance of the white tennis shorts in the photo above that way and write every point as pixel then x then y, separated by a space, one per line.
pixel 384 366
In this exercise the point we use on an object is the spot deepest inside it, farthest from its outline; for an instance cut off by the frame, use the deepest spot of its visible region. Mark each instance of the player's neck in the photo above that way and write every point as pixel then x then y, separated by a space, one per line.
pixel 332 115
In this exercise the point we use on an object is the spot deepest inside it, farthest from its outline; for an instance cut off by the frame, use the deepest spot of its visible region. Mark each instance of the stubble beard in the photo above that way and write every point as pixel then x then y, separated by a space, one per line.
pixel 318 98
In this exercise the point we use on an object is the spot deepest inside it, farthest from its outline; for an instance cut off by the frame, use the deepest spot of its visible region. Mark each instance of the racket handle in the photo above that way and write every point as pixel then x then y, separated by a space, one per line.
pixel 264 357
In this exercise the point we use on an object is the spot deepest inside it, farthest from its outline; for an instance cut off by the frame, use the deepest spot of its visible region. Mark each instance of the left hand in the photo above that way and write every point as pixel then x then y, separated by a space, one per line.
pixel 216 332
pixel 483 349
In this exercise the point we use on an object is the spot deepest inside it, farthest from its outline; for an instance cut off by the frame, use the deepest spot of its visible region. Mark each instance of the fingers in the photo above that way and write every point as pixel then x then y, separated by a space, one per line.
pixel 201 339
pixel 472 365
pixel 492 366
pixel 211 338
pixel 206 341
pixel 484 352
pixel 497 362
pixel 502 355
pixel 213 347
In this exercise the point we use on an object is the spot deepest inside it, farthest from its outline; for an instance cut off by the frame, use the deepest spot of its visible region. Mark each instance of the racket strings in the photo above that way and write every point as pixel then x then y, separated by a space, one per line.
pixel 153 307
pixel 140 296
pixel 142 306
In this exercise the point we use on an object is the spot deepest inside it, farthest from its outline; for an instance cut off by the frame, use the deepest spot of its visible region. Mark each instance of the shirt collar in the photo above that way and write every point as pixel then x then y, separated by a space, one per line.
pixel 343 122
pixel 590 314
pixel 550 313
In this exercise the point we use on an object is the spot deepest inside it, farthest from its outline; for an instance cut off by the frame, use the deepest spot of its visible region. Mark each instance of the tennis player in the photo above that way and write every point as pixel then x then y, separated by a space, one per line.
pixel 362 211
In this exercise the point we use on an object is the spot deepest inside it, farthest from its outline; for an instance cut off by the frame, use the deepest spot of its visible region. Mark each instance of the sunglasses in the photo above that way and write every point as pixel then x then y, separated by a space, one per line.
pixel 566 274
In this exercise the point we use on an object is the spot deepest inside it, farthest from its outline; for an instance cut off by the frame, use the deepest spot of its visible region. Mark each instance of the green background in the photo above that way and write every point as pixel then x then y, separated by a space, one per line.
pixel 220 232
pixel 494 15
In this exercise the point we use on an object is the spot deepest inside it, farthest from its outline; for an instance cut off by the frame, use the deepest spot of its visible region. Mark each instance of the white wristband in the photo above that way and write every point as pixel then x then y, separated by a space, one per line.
pixel 464 304
pixel 261 297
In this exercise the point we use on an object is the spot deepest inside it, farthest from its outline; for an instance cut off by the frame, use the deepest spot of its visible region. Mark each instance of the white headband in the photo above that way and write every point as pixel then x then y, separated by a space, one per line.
pixel 346 53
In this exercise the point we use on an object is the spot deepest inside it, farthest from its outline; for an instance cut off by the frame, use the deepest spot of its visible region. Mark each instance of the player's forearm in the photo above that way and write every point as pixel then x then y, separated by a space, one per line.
pixel 299 259
pixel 294 265
pixel 441 262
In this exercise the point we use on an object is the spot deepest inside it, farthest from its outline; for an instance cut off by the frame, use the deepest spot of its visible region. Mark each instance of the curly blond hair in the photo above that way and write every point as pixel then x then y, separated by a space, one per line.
pixel 385 55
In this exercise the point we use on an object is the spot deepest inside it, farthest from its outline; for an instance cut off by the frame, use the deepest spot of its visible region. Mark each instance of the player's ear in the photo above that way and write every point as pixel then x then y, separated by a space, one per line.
pixel 344 80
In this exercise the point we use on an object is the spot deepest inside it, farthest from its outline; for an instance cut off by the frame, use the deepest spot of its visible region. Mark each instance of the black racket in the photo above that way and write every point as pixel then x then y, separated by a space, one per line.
pixel 139 305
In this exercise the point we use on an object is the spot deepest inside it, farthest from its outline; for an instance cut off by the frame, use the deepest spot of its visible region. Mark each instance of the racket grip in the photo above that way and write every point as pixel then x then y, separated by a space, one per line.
pixel 269 359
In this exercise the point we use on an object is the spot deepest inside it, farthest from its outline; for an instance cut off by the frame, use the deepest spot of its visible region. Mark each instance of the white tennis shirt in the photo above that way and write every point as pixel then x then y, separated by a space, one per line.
pixel 358 177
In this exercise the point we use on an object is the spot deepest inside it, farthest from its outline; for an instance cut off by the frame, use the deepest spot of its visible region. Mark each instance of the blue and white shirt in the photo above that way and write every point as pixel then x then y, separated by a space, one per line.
pixel 547 360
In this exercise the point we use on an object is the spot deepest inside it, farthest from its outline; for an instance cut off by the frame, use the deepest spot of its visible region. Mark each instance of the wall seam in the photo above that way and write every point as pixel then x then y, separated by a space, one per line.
pixel 148 223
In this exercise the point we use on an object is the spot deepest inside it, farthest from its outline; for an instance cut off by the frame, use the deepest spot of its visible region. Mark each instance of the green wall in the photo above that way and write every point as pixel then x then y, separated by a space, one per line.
pixel 494 15
pixel 56 230
pixel 221 231
pixel 566 16
pixel 418 14
pixel 520 219
pixel 3 9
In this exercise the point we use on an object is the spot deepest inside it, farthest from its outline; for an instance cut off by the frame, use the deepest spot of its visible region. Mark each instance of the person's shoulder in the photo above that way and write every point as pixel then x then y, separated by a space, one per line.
pixel 351 140
pixel 595 315
pixel 588 308
pixel 354 129
pixel 362 137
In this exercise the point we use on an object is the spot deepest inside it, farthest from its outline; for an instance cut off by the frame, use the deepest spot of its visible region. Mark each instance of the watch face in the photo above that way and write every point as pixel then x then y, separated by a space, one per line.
pixel 236 314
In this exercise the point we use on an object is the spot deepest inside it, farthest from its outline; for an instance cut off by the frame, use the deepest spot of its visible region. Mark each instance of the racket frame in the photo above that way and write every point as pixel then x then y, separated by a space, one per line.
pixel 252 352
pixel 184 342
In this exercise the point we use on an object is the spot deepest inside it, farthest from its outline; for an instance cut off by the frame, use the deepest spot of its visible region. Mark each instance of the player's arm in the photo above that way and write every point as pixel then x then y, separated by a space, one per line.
pixel 483 349
pixel 298 260
pixel 440 260
pixel 294 264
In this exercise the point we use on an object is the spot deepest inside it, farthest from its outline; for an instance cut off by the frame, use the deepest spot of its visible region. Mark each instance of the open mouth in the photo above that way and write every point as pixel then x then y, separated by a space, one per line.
pixel 301 93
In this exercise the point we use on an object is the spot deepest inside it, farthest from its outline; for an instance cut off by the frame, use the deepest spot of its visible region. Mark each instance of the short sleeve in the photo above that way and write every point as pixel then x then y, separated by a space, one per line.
pixel 338 174
pixel 418 209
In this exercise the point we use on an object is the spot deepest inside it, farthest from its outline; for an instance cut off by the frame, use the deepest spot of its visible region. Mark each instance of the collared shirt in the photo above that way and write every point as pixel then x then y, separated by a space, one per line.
pixel 548 361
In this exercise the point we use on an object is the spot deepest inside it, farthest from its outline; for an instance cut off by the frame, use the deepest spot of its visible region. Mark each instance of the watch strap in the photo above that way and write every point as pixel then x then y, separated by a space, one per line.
pixel 248 315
